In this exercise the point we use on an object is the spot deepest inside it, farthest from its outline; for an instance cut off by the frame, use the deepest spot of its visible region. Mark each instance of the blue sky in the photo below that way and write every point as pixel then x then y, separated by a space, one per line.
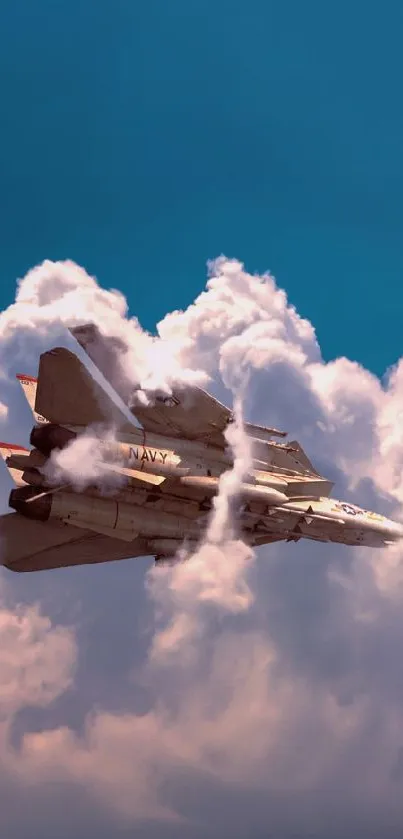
pixel 141 139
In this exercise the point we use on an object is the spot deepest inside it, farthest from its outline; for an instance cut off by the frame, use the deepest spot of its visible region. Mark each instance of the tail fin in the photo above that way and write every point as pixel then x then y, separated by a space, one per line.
pixel 29 385
pixel 67 394
pixel 7 450
pixel 104 352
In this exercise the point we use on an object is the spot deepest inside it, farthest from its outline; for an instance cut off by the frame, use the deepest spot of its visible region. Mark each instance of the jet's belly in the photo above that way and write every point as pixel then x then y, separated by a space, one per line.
pixel 329 520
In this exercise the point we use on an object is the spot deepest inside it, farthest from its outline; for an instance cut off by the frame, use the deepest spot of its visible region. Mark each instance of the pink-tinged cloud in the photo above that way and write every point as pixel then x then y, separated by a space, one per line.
pixel 278 678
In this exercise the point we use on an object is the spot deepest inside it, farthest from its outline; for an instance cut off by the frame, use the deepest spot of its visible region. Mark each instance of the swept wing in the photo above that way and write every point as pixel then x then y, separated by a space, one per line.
pixel 29 545
pixel 191 413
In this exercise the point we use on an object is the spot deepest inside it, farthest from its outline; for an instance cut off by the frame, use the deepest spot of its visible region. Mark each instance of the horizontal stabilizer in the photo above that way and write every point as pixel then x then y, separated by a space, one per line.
pixel 29 545
pixel 67 394
pixel 8 451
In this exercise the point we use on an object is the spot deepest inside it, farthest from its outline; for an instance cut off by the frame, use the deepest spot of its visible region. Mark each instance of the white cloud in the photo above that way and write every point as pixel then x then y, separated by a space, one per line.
pixel 35 659
pixel 57 294
pixel 280 676
pixel 82 463
pixel 213 575
pixel 37 662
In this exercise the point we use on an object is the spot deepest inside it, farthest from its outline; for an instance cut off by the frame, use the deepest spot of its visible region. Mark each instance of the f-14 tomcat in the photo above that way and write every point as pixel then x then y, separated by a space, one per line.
pixel 168 457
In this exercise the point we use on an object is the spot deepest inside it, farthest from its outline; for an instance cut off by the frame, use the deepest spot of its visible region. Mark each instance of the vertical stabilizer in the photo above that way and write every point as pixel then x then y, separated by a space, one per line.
pixel 29 385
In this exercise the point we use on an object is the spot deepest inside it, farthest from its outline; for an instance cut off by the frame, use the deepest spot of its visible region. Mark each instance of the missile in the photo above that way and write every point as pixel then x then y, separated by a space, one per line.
pixel 259 476
pixel 251 492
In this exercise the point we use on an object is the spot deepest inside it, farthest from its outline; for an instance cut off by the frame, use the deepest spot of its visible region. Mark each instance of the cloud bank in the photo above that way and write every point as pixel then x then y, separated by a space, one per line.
pixel 271 686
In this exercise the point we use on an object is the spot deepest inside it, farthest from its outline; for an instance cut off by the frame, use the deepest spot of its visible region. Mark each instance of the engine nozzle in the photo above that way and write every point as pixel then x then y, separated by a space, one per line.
pixel 45 438
pixel 23 501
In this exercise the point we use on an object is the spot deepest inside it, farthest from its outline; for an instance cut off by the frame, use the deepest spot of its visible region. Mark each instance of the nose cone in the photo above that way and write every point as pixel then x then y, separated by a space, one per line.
pixel 392 531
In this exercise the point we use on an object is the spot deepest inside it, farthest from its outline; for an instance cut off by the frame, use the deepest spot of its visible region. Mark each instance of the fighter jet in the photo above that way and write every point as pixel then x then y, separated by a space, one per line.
pixel 165 460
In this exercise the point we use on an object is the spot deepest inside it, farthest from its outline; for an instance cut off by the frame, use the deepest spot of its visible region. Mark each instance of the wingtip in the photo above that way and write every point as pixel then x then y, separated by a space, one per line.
pixel 13 447
pixel 24 377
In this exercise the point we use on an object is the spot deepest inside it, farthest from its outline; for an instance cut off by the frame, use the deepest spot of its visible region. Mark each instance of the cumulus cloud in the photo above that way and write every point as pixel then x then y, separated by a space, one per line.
pixel 215 575
pixel 59 294
pixel 278 679
pixel 36 659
